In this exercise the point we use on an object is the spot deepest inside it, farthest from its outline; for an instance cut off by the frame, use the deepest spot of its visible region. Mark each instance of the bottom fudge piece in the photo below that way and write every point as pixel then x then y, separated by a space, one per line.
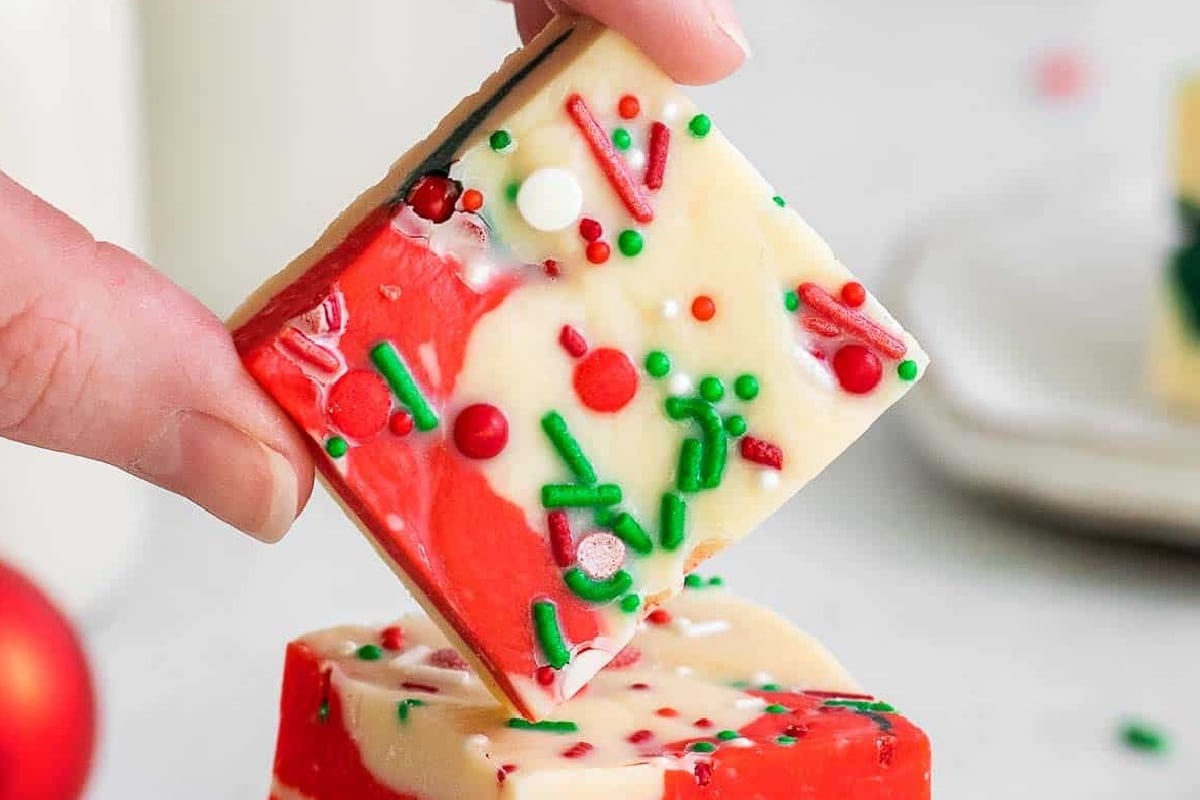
pixel 716 697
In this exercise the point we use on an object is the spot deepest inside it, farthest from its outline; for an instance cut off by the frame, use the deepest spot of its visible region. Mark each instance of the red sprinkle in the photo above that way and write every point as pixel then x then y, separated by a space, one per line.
pixel 333 312
pixel 703 308
pixel 598 252
pixel 886 749
pixel 572 341
pixel 392 637
pixel 704 773
pixel 299 345
pixel 854 294
pixel 629 107
pixel 480 431
pixel 667 711
pixel 611 163
pixel 562 544
pixel 639 686
pixel 359 404
pixel 472 200
pixel 627 657
pixel 590 230
pixel 605 380
pixel 420 687
pixel 858 369
pixel 545 675
pixel 796 731
pixel 851 322
pixel 432 197
pixel 659 616
pixel 448 658
pixel 502 772
pixel 761 451
pixel 703 722
pixel 578 750
pixel 656 163
pixel 401 423
pixel 637 737
pixel 820 326
pixel 550 267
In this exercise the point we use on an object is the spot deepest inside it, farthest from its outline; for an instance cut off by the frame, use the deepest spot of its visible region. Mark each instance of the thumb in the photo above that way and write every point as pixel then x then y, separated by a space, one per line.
pixel 103 357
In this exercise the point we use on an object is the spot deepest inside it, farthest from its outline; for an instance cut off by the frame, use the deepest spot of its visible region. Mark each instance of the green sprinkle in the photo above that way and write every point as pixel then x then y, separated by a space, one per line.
pixel 403 707
pixel 863 705
pixel 785 740
pixel 567 447
pixel 323 711
pixel 630 242
pixel 1140 736
pixel 740 684
pixel 735 425
pixel 512 190
pixel 716 446
pixel 779 201
pixel 791 300
pixel 711 389
pixel 567 495
pixel 549 636
pixel 716 580
pixel 630 531
pixel 687 478
pixel 630 603
pixel 672 521
pixel 712 464
pixel 388 362
pixel 907 370
pixel 746 387
pixel 546 725
pixel 605 516
pixel 336 446
pixel 369 652
pixel 621 139
pixel 693 581
pixel 725 736
pixel 500 141
pixel 702 747
pixel 770 687
pixel 700 126
pixel 775 708
pixel 658 364
pixel 595 591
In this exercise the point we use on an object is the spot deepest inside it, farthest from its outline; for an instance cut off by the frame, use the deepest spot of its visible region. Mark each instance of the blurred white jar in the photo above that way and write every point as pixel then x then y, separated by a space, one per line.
pixel 69 130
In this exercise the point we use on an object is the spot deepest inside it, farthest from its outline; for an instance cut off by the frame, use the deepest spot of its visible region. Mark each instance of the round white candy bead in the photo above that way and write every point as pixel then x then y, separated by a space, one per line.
pixel 600 555
pixel 550 199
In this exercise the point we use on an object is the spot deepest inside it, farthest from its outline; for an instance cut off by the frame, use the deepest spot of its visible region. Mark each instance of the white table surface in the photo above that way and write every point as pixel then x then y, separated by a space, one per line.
pixel 1018 645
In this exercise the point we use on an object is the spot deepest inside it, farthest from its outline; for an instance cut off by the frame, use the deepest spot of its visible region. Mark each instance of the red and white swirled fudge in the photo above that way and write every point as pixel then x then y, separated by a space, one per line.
pixel 715 697
pixel 569 347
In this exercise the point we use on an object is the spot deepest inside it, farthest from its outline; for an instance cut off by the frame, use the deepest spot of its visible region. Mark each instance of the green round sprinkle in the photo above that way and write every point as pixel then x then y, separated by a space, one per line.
pixel 775 708
pixel 1140 736
pixel 500 140
pixel 725 736
pixel 630 243
pixel 658 364
pixel 785 740
pixel 336 446
pixel 511 190
pixel 702 747
pixel 369 652
pixel 621 139
pixel 735 425
pixel 779 201
pixel 791 300
pixel 716 580
pixel 746 387
pixel 699 126
pixel 693 581
pixel 907 370
pixel 630 603
pixel 711 389
pixel 770 687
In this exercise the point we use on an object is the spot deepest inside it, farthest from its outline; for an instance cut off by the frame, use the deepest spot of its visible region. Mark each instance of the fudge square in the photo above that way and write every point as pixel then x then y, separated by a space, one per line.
pixel 572 345
pixel 715 697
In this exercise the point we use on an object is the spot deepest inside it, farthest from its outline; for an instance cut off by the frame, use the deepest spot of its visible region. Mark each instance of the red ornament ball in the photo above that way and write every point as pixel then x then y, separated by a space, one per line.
pixel 598 252
pixel 472 200
pixel 433 197
pixel 590 230
pixel 858 370
pixel 605 380
pixel 480 431
pixel 629 107
pixel 854 294
pixel 48 719
pixel 703 308
pixel 545 676
pixel 401 423
pixel 359 404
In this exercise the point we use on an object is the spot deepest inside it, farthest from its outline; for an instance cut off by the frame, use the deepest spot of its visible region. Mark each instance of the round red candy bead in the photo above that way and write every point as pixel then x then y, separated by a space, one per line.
pixel 854 294
pixel 401 423
pixel 480 431
pixel 433 197
pixel 605 380
pixel 659 616
pixel 472 200
pixel 858 370
pixel 359 404
pixel 589 229
pixel 629 107
pixel 392 638
pixel 545 676
pixel 703 308
pixel 598 252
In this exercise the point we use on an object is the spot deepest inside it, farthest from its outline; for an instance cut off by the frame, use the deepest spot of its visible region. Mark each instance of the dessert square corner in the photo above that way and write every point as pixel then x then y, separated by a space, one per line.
pixel 572 345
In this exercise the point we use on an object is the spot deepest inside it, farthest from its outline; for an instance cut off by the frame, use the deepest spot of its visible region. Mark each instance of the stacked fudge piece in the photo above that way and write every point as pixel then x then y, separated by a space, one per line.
pixel 571 346
pixel 1176 357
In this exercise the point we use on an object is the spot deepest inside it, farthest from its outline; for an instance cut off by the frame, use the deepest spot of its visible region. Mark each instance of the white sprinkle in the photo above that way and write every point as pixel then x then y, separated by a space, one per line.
pixel 749 702
pixel 583 668
pixel 670 309
pixel 550 199
pixel 760 678
pixel 679 384
pixel 684 670
pixel 670 111
pixel 478 274
pixel 699 630
pixel 636 159
pixel 395 522
pixel 768 479
pixel 478 740
pixel 349 648
pixel 740 741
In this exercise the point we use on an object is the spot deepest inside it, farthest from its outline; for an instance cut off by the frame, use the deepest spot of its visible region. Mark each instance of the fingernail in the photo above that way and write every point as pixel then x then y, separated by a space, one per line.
pixel 726 20
pixel 226 471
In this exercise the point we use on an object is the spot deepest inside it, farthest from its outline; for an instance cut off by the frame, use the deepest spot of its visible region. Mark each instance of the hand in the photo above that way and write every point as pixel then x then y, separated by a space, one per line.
pixel 695 41
pixel 103 357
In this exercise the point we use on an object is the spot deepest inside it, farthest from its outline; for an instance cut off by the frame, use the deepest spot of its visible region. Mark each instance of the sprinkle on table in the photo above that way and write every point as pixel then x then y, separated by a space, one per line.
pixel 1143 737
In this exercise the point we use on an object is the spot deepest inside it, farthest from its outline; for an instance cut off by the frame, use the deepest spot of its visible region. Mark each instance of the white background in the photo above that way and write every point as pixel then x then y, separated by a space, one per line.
pixel 1019 644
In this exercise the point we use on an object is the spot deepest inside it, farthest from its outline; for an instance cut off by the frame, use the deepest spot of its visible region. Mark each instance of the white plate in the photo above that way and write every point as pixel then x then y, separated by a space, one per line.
pixel 1035 307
